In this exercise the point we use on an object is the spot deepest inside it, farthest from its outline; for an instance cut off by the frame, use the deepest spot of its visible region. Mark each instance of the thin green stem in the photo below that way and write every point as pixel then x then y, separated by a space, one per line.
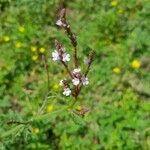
pixel 47 115
pixel 11 131
pixel 34 118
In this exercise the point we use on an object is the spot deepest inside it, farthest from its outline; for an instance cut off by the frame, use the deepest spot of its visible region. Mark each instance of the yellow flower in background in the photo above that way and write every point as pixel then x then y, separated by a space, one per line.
pixel 78 108
pixel 36 130
pixel 6 38
pixel 21 29
pixel 120 11
pixel 34 57
pixel 49 108
pixel 116 70
pixel 136 64
pixel 114 3
pixel 56 87
pixel 33 48
pixel 18 45
pixel 42 50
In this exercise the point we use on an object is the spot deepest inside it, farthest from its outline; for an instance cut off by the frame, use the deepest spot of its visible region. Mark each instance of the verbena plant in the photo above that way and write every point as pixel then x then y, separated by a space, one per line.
pixel 76 77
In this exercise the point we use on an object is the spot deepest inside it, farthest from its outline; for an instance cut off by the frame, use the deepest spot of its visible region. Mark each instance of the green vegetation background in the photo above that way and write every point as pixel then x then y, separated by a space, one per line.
pixel 118 95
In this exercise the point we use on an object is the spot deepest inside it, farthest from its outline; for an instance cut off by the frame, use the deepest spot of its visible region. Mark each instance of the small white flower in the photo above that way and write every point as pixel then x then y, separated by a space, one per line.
pixel 59 22
pixel 65 57
pixel 75 81
pixel 67 92
pixel 86 61
pixel 68 26
pixel 55 56
pixel 76 71
pixel 61 83
pixel 85 81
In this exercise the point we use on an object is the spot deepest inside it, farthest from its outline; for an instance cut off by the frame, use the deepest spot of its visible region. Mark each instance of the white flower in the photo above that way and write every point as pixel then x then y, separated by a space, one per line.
pixel 67 92
pixel 55 55
pixel 75 81
pixel 76 71
pixel 86 61
pixel 61 83
pixel 65 57
pixel 85 81
pixel 59 22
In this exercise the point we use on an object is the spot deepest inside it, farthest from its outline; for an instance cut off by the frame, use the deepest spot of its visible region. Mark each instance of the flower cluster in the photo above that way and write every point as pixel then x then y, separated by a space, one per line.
pixel 78 79
pixel 60 23
pixel 60 54
pixel 37 53
pixel 65 84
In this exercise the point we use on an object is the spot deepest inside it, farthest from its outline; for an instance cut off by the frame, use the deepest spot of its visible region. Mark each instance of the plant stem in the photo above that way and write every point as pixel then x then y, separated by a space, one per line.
pixel 75 57
pixel 70 35
pixel 91 55
pixel 66 66
pixel 47 71
pixel 73 40
pixel 47 115
pixel 48 81
pixel 34 118
pixel 74 102
pixel 11 131
pixel 43 104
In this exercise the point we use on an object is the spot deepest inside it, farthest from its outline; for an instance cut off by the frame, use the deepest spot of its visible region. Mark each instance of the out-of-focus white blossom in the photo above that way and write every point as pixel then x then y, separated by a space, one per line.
pixel 75 81
pixel 67 92
pixel 65 57
pixel 86 61
pixel 61 83
pixel 59 22
pixel 85 80
pixel 77 70
pixel 55 56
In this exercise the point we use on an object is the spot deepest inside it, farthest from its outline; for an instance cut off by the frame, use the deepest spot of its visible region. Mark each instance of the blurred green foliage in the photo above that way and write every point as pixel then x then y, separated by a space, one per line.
pixel 118 99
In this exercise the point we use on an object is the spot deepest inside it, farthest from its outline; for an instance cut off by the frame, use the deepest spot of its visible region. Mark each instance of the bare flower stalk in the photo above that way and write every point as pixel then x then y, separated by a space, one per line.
pixel 71 36
pixel 90 60
pixel 68 70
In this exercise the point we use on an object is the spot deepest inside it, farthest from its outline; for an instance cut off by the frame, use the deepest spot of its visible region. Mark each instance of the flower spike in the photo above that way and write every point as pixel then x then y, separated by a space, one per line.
pixel 77 77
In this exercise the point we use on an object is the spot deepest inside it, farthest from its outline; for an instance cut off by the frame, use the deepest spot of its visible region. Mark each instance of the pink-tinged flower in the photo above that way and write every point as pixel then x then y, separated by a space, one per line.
pixel 76 71
pixel 67 92
pixel 75 81
pixel 59 22
pixel 85 80
pixel 65 57
pixel 55 56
